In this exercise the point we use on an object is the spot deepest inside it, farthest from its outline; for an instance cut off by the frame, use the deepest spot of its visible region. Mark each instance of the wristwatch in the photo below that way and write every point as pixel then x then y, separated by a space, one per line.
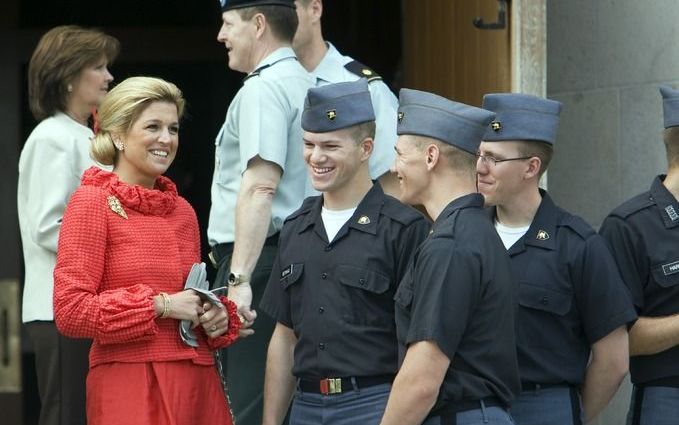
pixel 236 279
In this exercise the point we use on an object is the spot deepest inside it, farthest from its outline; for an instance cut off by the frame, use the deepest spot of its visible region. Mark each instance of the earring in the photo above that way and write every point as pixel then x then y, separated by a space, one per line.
pixel 70 88
pixel 119 145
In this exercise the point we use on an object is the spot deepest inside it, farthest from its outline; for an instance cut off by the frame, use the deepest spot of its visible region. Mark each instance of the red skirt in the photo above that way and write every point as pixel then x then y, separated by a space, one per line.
pixel 158 393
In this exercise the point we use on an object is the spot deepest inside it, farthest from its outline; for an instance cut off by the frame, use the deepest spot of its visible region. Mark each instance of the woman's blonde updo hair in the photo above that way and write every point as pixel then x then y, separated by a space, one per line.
pixel 123 105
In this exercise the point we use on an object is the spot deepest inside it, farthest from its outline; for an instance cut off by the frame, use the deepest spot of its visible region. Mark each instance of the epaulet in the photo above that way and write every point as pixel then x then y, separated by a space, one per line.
pixel 397 211
pixel 255 73
pixel 629 207
pixel 305 208
pixel 356 67
pixel 577 225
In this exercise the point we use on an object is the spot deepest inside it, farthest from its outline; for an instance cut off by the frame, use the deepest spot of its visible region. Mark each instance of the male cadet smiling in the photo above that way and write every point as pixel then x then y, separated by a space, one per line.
pixel 643 234
pixel 339 262
pixel 573 307
pixel 456 302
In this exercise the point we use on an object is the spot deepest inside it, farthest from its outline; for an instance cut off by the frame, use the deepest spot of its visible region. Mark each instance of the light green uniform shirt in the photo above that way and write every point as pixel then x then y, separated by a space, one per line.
pixel 263 120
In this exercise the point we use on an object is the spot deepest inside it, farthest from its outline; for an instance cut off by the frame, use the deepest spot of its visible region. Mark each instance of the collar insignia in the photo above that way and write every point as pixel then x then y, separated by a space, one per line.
pixel 331 114
pixel 364 219
pixel 115 206
pixel 672 213
pixel 542 235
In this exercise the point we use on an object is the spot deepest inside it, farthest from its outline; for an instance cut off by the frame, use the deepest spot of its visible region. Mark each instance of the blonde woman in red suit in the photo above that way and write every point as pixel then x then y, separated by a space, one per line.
pixel 126 246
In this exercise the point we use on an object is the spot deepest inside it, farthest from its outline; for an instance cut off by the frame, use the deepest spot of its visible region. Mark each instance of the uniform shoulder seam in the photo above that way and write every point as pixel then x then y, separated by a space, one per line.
pixel 402 213
pixel 633 205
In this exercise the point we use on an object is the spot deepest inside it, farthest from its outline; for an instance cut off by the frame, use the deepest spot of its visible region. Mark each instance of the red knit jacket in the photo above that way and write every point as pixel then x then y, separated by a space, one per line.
pixel 119 246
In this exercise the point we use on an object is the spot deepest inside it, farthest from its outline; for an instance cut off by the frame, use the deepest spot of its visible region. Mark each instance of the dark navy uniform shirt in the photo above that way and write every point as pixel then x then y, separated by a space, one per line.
pixel 643 234
pixel 570 296
pixel 459 293
pixel 338 296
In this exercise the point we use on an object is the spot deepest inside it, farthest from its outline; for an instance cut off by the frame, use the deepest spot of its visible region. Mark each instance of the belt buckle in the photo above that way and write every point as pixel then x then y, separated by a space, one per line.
pixel 331 386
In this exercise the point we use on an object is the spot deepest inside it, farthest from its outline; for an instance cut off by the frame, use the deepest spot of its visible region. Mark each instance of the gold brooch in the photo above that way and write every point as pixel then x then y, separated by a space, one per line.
pixel 116 207
pixel 364 219
pixel 542 235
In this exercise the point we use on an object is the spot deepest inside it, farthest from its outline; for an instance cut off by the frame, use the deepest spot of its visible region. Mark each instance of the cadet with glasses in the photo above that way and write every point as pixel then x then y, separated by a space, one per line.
pixel 573 308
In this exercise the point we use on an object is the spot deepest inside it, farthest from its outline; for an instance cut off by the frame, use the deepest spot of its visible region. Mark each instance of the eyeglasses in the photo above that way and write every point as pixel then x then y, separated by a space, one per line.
pixel 491 161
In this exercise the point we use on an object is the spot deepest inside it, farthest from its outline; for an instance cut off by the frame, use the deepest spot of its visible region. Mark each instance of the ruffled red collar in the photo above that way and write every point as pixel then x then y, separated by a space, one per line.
pixel 160 200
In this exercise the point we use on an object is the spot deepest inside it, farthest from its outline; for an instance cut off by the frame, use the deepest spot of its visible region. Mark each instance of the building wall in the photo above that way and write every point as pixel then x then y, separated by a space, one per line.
pixel 605 60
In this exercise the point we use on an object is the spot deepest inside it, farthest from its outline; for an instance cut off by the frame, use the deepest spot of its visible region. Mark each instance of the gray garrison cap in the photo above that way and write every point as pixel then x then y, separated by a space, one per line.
pixel 240 4
pixel 426 114
pixel 670 106
pixel 337 106
pixel 522 117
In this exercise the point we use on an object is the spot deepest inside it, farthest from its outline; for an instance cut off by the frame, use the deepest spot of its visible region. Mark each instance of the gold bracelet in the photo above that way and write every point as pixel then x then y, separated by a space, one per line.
pixel 167 303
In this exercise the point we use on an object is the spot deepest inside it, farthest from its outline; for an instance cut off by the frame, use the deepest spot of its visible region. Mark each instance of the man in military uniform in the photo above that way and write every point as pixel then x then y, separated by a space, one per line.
pixel 643 234
pixel 328 66
pixel 339 262
pixel 259 176
pixel 573 309
pixel 455 304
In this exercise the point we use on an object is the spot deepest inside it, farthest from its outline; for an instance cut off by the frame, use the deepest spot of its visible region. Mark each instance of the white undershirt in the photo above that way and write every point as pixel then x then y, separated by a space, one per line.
pixel 333 220
pixel 510 235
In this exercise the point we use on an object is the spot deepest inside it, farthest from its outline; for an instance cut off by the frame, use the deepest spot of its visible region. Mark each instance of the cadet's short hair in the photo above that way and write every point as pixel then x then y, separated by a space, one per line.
pixel 60 56
pixel 123 105
pixel 283 21
pixel 542 150
pixel 459 160
pixel 362 131
pixel 671 140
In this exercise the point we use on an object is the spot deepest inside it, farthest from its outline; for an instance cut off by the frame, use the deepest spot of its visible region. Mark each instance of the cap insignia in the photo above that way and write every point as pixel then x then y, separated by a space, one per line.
pixel 115 206
pixel 331 114
pixel 496 126
pixel 364 219
pixel 400 116
pixel 542 235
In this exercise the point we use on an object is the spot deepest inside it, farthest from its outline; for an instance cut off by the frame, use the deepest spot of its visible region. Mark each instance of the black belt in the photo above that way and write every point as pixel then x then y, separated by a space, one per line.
pixel 221 250
pixel 329 386
pixel 534 386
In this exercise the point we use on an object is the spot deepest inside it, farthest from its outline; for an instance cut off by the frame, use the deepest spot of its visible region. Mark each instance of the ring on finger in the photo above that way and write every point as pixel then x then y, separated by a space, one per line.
pixel 213 328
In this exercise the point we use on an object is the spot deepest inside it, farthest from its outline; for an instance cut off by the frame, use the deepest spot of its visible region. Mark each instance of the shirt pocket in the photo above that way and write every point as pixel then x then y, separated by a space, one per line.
pixel 666 273
pixel 544 298
pixel 368 301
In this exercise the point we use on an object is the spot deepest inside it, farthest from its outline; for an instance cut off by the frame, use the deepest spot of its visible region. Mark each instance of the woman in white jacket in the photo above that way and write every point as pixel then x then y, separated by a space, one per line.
pixel 67 79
